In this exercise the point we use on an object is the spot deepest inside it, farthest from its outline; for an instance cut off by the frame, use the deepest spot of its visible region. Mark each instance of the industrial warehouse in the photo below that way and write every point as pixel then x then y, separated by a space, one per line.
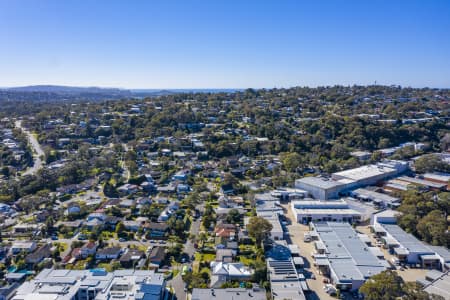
pixel 343 256
pixel 345 181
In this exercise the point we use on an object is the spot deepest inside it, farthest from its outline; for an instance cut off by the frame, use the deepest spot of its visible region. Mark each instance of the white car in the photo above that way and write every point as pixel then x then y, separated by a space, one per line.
pixel 330 289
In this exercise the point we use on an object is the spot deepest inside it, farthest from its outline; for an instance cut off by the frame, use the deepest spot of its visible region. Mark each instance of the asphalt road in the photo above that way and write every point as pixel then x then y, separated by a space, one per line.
pixel 177 282
pixel 37 150
pixel 126 172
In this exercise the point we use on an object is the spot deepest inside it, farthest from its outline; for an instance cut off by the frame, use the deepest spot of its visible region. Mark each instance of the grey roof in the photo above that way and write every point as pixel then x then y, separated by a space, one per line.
pixel 440 286
pixel 407 240
pixel 423 182
pixel 442 252
pixel 320 182
pixel 227 294
pixel 282 273
pixel 345 270
pixel 287 290
pixel 434 274
pixel 348 256
pixel 65 284
pixel 265 197
pixel 375 195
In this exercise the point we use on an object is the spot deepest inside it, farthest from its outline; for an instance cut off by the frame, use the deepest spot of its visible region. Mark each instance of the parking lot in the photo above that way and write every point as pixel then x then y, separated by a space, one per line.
pixel 296 232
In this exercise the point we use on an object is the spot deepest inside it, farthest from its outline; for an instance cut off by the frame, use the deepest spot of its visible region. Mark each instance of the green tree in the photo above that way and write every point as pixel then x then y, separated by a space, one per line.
pixel 291 161
pixel 120 229
pixel 233 216
pixel 258 228
pixel 384 286
pixel 5 171
pixel 430 163
pixel 432 228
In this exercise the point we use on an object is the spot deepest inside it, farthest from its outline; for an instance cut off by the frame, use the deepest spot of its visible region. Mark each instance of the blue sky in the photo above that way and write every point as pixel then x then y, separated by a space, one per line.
pixel 224 43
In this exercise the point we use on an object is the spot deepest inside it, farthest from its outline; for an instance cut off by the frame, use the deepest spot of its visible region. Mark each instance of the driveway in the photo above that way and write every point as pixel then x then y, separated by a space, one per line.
pixel 296 232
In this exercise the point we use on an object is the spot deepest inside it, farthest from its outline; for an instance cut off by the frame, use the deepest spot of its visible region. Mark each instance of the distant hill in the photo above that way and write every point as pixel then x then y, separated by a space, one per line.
pixel 177 91
pixel 38 93
pixel 68 89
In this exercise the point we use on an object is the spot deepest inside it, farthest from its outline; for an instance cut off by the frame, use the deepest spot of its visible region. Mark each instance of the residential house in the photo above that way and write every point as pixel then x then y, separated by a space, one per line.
pixel 38 255
pixel 18 247
pixel 183 188
pixel 131 225
pixel 69 224
pixel 225 255
pixel 227 189
pixel 111 222
pixel 127 203
pixel 128 189
pixel 108 253
pixel 73 209
pixel 96 219
pixel 224 230
pixel 74 254
pixel 26 228
pixel 156 256
pixel 157 230
pixel 131 257
pixel 222 272
pixel 88 249
pixel 180 176
pixel 167 189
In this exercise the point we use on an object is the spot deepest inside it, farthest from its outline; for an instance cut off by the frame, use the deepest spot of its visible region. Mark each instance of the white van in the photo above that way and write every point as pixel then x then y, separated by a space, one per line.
pixel 395 261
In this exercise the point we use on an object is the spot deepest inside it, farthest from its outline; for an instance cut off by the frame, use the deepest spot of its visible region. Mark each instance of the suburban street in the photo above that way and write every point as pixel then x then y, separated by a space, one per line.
pixel 177 282
pixel 37 150
pixel 126 172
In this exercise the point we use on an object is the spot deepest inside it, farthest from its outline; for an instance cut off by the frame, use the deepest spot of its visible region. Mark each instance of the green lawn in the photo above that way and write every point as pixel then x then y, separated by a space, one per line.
pixel 79 265
pixel 106 266
pixel 204 257
pixel 245 260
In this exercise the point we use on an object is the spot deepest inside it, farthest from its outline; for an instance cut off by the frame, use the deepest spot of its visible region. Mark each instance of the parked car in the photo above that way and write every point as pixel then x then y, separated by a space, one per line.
pixel 330 289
